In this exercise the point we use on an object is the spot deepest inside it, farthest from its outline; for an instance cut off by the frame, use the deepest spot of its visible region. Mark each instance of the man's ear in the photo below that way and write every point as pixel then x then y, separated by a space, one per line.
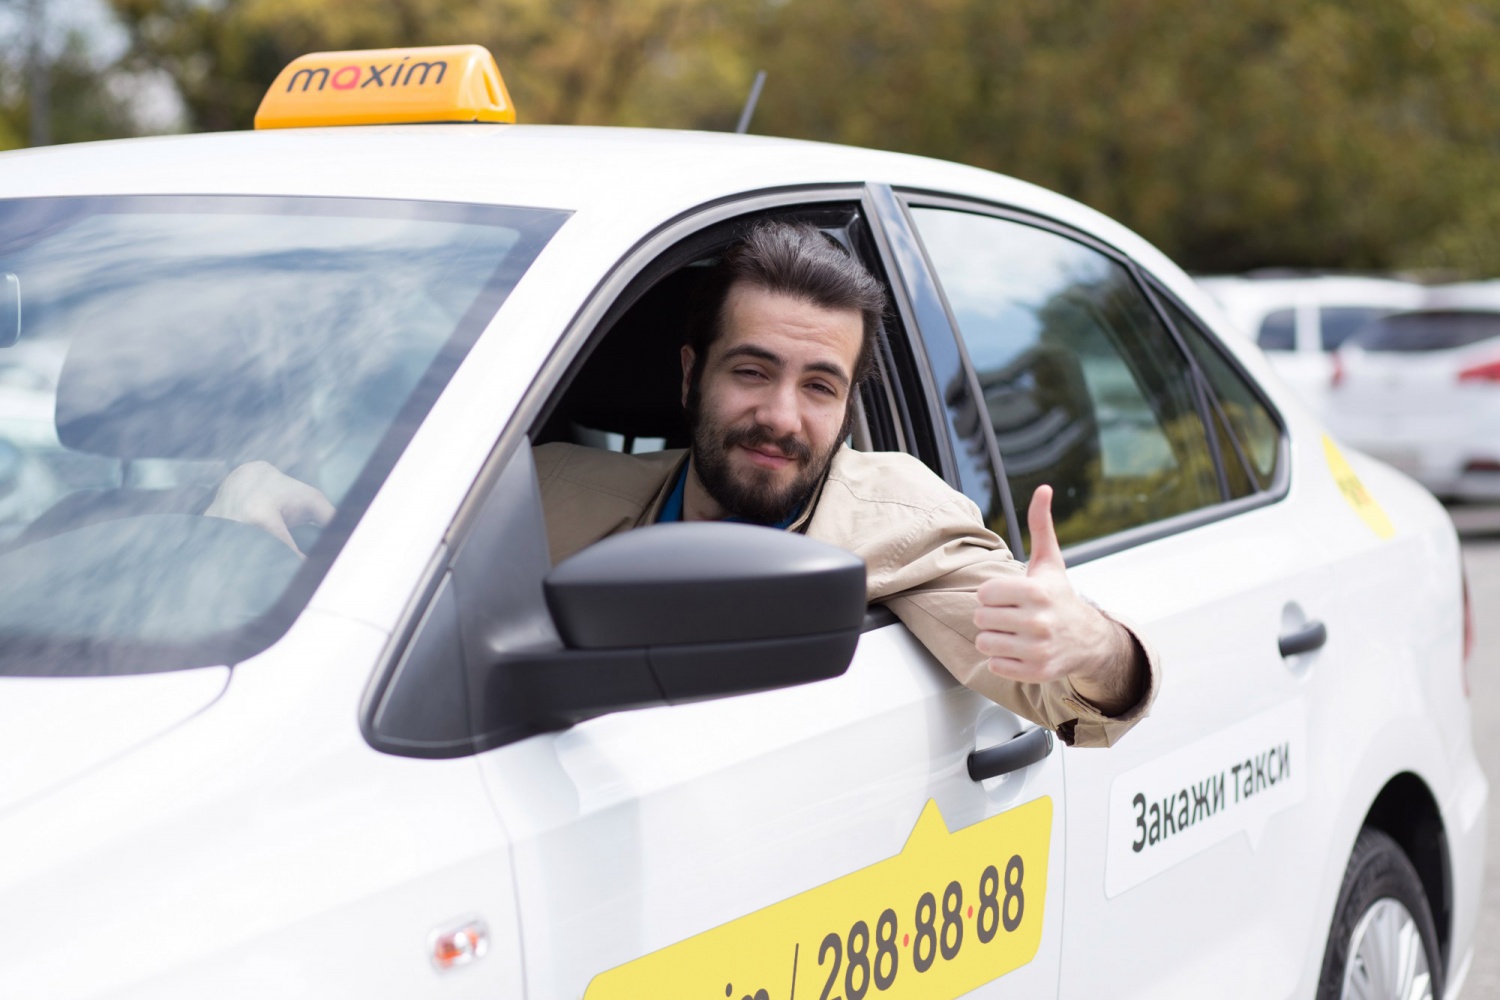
pixel 687 372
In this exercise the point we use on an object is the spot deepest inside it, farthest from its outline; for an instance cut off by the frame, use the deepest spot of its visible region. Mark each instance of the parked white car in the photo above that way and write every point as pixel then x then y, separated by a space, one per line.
pixel 1420 390
pixel 379 771
pixel 1300 320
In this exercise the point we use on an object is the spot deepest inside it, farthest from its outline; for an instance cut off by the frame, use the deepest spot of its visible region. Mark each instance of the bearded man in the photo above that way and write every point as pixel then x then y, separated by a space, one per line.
pixel 775 354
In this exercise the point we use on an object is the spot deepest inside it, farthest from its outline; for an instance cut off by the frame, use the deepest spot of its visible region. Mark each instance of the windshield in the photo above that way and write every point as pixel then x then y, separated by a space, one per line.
pixel 1429 331
pixel 165 343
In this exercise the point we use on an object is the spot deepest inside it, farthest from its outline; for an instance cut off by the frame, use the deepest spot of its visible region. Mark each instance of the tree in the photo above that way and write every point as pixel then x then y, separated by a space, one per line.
pixel 1232 133
pixel 85 102
pixel 575 61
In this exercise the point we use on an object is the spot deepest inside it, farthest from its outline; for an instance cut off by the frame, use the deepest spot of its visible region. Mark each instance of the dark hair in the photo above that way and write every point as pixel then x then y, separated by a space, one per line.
pixel 795 259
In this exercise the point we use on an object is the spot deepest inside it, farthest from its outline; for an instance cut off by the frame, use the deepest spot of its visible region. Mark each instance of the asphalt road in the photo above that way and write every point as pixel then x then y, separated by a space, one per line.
pixel 1479 528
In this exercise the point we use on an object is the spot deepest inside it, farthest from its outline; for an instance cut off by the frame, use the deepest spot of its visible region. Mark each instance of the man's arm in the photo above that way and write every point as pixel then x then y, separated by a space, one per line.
pixel 1035 628
pixel 259 494
pixel 1061 663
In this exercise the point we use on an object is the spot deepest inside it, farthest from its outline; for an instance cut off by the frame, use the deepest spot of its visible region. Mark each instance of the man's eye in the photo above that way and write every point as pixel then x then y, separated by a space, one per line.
pixel 749 373
pixel 824 388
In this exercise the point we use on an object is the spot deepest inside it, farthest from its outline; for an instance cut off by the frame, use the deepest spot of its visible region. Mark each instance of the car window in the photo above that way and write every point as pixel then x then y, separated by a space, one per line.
pixel 1252 453
pixel 1430 331
pixel 1337 324
pixel 168 341
pixel 1278 331
pixel 627 395
pixel 1082 382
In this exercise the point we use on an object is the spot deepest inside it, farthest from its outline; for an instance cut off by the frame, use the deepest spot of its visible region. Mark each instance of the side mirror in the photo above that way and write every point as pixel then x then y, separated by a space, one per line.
pixel 678 613
pixel 506 646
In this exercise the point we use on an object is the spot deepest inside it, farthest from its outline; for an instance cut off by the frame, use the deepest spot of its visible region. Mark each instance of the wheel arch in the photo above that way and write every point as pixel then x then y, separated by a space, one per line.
pixel 1406 811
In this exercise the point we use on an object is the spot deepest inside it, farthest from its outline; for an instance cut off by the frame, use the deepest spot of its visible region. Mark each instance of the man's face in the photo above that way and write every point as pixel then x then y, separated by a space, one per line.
pixel 769 408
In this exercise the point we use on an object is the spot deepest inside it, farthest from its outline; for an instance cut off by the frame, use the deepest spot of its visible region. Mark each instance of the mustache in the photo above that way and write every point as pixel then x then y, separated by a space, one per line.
pixel 757 435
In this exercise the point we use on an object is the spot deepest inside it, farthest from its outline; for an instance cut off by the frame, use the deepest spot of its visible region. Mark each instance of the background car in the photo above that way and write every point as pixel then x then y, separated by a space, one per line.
pixel 1421 390
pixel 421 761
pixel 1300 319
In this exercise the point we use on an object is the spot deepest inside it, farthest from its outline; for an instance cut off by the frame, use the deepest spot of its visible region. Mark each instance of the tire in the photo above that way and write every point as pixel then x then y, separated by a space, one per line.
pixel 1382 920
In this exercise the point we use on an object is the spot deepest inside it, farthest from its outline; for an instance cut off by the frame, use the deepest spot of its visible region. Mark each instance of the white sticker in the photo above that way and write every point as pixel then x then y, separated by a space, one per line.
pixel 1232 782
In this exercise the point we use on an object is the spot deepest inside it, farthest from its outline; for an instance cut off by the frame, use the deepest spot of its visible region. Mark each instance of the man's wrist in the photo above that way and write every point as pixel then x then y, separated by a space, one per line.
pixel 1118 683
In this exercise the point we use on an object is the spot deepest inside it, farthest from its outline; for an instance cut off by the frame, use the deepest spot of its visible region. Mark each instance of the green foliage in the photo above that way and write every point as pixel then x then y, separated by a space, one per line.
pixel 571 61
pixel 83 105
pixel 1233 133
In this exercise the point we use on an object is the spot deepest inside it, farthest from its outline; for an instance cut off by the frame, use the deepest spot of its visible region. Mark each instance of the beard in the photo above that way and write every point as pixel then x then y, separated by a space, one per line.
pixel 752 495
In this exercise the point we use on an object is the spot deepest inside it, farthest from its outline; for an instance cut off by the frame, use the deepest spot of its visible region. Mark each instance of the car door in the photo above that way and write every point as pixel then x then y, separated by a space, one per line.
pixel 821 841
pixel 1187 841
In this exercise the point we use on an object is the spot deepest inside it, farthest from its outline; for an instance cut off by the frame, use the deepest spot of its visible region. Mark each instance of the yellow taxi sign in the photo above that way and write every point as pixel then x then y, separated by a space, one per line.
pixel 438 83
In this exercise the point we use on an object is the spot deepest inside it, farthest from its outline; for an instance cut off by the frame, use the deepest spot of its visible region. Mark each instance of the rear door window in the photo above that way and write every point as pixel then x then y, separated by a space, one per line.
pixel 1250 444
pixel 1430 331
pixel 1081 381
pixel 1337 324
pixel 1278 331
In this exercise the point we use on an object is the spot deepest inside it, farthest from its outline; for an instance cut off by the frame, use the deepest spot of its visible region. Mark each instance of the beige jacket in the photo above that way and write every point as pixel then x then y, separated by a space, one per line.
pixel 925 547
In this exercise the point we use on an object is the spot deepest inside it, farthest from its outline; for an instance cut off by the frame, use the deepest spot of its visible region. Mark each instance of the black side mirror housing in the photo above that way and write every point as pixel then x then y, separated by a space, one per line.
pixel 715 609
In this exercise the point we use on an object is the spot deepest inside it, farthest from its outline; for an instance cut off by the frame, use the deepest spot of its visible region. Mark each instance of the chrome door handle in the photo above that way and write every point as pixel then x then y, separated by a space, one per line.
pixel 1303 640
pixel 1012 755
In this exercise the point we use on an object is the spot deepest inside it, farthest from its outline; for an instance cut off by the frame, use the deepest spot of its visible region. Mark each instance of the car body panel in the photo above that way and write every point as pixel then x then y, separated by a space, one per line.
pixel 261 844
pixel 45 715
pixel 718 810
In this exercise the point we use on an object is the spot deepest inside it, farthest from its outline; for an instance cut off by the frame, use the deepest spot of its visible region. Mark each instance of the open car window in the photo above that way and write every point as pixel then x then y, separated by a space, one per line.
pixel 165 341
pixel 626 395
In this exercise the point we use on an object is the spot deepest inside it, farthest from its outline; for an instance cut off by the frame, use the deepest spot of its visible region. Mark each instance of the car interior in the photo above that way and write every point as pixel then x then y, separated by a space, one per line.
pixel 626 392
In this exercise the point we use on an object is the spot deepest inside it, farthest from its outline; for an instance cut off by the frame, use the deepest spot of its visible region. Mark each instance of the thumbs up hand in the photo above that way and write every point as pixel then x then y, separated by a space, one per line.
pixel 1035 628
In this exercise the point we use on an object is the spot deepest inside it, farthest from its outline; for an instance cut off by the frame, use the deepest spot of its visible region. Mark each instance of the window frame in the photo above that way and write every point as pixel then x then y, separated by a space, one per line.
pixel 1207 403
pixel 924 294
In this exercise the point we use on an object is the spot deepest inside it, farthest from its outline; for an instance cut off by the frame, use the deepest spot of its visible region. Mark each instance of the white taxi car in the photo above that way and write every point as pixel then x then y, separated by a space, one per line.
pixel 399 766
pixel 1420 390
pixel 1300 320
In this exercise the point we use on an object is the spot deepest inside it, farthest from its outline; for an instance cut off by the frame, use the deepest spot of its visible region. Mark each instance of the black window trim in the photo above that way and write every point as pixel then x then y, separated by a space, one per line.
pixel 893 212
pixel 1151 288
pixel 1281 481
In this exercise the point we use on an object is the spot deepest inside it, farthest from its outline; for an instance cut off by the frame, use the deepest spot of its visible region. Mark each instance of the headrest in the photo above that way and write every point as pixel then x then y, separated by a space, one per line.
pixel 632 383
pixel 183 382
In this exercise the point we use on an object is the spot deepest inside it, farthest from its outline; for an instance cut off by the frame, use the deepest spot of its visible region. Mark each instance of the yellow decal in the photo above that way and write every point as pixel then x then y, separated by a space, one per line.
pixel 948 914
pixel 1354 491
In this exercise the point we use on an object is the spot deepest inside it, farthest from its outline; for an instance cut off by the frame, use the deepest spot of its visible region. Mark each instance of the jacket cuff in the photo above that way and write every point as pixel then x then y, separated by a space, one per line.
pixel 1091 727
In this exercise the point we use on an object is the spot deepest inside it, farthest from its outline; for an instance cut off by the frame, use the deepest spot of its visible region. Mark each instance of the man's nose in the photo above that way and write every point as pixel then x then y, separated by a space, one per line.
pixel 778 410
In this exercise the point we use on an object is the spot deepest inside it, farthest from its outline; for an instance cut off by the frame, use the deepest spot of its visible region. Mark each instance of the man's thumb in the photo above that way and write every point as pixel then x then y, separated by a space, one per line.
pixel 1045 552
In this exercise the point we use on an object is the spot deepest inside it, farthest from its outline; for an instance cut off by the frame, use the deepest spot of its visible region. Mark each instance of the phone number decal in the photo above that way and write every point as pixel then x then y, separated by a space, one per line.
pixel 948 914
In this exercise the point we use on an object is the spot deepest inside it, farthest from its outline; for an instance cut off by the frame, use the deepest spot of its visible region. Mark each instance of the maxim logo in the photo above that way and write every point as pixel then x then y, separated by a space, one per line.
pixel 350 77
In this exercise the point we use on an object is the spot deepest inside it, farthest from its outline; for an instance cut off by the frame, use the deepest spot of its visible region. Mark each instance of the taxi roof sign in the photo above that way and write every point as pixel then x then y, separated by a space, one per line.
pixel 439 83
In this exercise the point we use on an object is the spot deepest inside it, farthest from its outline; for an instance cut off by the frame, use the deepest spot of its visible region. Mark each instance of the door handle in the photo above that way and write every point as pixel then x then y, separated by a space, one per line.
pixel 1303 640
pixel 1012 755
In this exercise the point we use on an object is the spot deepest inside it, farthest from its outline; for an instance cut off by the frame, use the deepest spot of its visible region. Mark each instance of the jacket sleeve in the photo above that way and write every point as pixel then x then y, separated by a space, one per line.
pixel 931 578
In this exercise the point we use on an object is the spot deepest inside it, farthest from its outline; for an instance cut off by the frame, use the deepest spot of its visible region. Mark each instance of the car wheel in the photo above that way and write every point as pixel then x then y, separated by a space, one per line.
pixel 1383 945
